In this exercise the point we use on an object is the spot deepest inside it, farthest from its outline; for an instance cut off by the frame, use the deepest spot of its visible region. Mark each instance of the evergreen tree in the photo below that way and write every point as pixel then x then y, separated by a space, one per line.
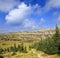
pixel 50 45
pixel 56 36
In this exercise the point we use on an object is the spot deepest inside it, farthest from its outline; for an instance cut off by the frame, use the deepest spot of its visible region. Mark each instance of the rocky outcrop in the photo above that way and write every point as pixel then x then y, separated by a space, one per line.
pixel 28 36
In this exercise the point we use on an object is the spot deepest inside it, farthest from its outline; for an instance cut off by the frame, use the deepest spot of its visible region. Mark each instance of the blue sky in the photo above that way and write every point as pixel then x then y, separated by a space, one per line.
pixel 28 15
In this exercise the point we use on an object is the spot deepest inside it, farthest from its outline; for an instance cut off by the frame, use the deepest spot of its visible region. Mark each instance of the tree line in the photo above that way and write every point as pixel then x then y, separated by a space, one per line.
pixel 49 45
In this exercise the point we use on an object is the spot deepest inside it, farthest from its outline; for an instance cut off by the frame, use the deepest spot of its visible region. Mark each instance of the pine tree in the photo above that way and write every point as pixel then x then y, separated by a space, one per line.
pixel 56 37
pixel 57 34
pixel 50 45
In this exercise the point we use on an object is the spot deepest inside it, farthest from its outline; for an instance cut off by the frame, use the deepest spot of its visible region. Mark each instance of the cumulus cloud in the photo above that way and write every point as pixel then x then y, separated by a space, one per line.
pixel 51 4
pixel 54 3
pixel 31 24
pixel 7 5
pixel 19 14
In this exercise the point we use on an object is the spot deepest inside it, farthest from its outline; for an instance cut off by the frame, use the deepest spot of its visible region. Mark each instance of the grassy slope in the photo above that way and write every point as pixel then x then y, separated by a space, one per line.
pixel 31 54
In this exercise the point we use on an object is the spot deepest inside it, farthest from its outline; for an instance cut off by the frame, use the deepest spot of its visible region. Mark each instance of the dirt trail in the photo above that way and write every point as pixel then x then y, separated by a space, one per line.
pixel 42 55
pixel 39 56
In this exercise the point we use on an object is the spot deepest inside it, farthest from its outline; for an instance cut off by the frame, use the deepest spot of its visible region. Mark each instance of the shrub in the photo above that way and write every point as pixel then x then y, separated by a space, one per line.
pixel 1 56
pixel 1 50
pixel 14 53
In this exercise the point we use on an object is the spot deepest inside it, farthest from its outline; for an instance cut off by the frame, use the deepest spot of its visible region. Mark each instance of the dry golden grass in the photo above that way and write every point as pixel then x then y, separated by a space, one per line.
pixel 31 54
pixel 6 44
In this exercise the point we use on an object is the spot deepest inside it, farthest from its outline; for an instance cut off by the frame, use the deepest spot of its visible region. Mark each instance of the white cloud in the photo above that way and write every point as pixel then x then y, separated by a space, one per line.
pixel 15 16
pixel 51 4
pixel 6 5
pixel 29 23
pixel 21 15
pixel 54 3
